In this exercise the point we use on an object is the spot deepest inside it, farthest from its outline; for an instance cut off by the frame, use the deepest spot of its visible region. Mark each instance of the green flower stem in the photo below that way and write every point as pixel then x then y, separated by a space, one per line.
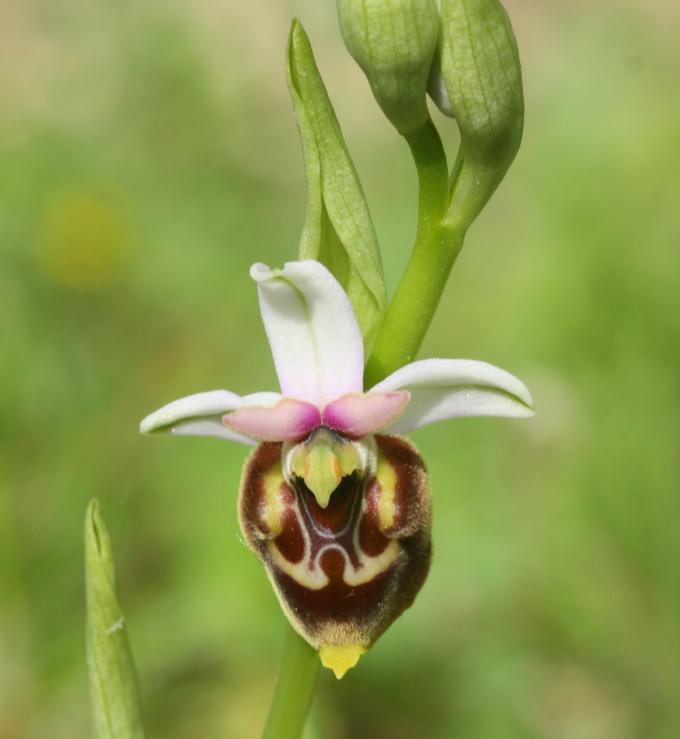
pixel 438 242
pixel 294 689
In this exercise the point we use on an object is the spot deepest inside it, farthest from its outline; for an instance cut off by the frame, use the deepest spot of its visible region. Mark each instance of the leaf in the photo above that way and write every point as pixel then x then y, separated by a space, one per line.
pixel 338 230
pixel 113 683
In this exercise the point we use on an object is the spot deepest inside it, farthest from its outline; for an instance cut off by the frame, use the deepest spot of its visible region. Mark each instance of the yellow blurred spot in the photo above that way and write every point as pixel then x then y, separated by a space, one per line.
pixel 341 658
pixel 84 240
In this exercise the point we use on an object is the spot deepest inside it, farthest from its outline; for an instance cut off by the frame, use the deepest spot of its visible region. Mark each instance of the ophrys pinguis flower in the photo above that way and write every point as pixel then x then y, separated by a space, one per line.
pixel 333 501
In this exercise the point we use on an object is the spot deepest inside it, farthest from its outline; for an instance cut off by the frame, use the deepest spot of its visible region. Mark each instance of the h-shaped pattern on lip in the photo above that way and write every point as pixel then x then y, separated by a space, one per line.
pixel 342 573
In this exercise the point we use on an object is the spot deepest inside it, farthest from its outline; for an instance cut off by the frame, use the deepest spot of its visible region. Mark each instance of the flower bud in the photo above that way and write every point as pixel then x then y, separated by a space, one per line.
pixel 476 78
pixel 344 564
pixel 394 42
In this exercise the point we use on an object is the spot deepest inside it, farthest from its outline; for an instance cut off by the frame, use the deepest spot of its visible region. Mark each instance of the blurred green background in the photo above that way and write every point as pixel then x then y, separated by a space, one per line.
pixel 148 155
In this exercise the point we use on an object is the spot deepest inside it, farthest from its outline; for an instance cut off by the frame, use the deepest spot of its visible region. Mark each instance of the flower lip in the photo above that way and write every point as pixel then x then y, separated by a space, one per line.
pixel 343 573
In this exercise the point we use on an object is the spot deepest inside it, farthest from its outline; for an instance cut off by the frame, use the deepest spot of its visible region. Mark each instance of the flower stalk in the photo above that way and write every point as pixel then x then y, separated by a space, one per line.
pixel 436 247
pixel 294 689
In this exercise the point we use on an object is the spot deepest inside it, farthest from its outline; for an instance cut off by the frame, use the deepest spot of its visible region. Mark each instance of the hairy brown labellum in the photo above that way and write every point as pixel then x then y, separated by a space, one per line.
pixel 343 529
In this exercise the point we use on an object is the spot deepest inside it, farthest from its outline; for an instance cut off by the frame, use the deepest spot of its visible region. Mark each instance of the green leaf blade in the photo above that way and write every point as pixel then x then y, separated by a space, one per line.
pixel 113 683
pixel 338 229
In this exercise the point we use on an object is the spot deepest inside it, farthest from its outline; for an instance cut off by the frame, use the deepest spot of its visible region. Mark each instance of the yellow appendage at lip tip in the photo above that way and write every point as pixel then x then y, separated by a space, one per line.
pixel 340 658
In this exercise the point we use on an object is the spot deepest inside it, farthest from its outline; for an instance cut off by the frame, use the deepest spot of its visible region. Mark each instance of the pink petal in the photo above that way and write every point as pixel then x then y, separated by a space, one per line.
pixel 357 414
pixel 288 420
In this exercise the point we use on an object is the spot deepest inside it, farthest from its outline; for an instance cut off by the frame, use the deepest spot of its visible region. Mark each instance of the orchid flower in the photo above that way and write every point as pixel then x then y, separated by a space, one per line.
pixel 333 501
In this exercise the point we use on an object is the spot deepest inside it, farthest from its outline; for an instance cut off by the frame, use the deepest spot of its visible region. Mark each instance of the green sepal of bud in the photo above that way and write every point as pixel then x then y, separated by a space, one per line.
pixel 338 229
pixel 394 41
pixel 113 683
pixel 476 78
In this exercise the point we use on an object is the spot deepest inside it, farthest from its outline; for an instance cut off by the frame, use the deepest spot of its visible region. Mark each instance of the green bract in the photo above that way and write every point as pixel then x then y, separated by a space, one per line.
pixel 113 683
pixel 338 230
pixel 394 41
pixel 476 78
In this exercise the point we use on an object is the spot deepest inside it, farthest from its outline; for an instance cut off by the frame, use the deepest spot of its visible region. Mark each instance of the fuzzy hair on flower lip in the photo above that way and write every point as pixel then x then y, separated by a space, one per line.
pixel 334 503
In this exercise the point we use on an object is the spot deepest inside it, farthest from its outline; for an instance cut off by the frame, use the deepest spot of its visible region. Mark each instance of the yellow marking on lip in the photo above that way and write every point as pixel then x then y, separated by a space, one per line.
pixel 312 579
pixel 387 509
pixel 341 658
pixel 273 507
pixel 315 578
pixel 371 567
